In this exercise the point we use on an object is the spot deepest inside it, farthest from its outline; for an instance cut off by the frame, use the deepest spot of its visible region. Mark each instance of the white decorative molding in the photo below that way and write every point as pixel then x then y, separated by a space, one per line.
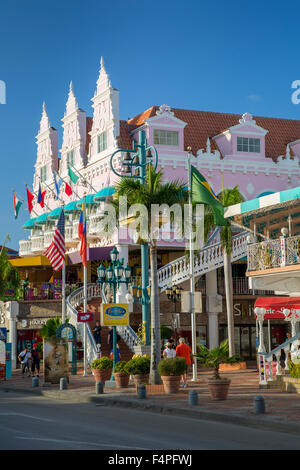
pixel 164 109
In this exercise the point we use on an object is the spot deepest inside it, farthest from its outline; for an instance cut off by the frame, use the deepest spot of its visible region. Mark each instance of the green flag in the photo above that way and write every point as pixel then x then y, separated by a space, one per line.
pixel 74 178
pixel 203 193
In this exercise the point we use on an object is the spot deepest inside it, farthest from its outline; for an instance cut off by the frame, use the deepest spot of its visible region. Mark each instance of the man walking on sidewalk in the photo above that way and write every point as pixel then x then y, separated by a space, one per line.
pixel 183 350
pixel 24 357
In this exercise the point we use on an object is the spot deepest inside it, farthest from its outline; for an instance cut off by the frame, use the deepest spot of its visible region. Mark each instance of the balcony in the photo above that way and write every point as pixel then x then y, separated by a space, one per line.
pixel 25 248
pixel 240 287
pixel 272 254
pixel 37 244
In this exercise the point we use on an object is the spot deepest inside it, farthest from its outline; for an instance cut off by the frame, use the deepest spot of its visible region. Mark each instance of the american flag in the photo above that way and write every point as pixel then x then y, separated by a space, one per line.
pixel 56 251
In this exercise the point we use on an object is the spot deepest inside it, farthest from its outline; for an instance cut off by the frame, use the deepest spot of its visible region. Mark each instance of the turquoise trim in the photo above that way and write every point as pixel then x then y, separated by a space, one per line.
pixel 71 207
pixel 55 213
pixel 89 199
pixel 29 224
pixel 105 192
pixel 251 205
pixel 42 219
pixel 290 194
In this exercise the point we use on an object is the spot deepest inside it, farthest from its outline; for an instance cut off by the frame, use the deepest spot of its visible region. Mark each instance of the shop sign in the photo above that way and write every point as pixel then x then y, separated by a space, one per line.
pixel 56 359
pixel 115 314
pixel 85 317
pixel 38 321
pixel 243 309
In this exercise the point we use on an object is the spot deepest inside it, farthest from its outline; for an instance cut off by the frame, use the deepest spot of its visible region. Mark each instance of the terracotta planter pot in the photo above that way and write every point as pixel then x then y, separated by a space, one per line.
pixel 121 379
pixel 171 383
pixel 237 366
pixel 218 388
pixel 101 375
pixel 141 379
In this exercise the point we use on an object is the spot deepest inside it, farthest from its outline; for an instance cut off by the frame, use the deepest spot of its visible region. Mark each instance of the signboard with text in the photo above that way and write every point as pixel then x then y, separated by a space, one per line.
pixel 85 317
pixel 114 314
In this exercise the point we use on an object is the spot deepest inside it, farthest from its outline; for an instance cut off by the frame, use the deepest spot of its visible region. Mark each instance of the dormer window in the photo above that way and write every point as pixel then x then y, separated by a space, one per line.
pixel 102 142
pixel 70 158
pixel 43 174
pixel 245 144
pixel 162 137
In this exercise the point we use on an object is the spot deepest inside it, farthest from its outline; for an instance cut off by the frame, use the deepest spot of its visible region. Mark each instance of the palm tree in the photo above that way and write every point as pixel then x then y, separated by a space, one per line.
pixel 49 330
pixel 228 197
pixel 9 275
pixel 153 191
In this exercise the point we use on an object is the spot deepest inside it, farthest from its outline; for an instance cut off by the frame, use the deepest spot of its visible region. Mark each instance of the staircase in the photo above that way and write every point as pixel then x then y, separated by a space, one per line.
pixel 208 259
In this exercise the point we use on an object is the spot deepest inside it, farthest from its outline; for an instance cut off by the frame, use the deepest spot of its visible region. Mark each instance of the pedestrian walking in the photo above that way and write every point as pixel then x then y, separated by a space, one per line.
pixel 169 351
pixel 35 360
pixel 97 335
pixel 183 350
pixel 110 337
pixel 118 357
pixel 24 357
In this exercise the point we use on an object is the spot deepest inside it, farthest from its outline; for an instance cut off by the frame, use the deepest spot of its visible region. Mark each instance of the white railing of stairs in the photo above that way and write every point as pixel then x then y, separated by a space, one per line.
pixel 209 258
pixel 289 346
pixel 74 300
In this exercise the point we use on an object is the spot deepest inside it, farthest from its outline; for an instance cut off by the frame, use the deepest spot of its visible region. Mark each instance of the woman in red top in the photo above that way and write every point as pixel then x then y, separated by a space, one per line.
pixel 183 350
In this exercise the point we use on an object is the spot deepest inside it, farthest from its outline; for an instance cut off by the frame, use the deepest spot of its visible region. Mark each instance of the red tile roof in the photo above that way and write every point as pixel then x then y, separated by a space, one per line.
pixel 203 124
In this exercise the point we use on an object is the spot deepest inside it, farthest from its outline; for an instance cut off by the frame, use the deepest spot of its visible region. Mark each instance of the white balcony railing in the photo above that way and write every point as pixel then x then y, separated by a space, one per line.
pixel 37 244
pixel 25 248
pixel 274 254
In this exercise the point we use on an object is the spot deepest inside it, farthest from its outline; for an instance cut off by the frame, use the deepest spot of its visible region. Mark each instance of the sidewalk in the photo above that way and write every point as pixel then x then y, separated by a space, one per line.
pixel 282 409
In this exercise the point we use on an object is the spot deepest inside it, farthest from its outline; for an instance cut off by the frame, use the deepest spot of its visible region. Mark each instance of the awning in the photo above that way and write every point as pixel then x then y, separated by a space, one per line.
pixel 29 224
pixel 105 192
pixel 89 199
pixel 275 306
pixel 54 214
pixel 42 219
pixel 71 207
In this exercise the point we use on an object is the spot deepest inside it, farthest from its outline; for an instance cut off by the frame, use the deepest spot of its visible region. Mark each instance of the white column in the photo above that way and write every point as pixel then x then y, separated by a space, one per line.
pixel 12 312
pixel 122 290
pixel 212 308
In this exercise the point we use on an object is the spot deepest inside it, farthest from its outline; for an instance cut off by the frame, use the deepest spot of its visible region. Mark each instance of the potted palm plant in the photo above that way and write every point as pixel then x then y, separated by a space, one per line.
pixel 121 375
pixel 218 386
pixel 102 369
pixel 171 370
pixel 139 368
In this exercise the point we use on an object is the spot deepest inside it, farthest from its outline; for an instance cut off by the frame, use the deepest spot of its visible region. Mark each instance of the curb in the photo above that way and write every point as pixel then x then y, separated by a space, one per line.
pixel 194 412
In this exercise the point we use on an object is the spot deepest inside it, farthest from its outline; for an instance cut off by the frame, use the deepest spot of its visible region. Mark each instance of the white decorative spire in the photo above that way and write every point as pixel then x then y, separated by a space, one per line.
pixel 288 152
pixel 103 82
pixel 208 147
pixel 72 104
pixel 44 123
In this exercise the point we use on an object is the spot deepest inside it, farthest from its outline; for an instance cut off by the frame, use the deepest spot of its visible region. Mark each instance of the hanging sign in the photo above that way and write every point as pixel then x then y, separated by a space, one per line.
pixel 85 317
pixel 114 314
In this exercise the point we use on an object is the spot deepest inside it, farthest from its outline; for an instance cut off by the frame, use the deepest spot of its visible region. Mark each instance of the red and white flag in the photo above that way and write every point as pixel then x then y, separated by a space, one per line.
pixel 56 251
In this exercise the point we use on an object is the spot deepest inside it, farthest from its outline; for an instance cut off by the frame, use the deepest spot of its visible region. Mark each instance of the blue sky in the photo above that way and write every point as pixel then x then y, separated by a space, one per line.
pixel 217 56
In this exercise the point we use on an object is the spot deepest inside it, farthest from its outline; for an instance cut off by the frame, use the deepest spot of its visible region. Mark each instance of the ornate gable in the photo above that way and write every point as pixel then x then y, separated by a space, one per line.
pixel 47 151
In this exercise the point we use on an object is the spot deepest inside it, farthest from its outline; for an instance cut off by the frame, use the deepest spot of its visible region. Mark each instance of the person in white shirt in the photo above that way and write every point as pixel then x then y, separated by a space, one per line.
pixel 24 357
pixel 169 352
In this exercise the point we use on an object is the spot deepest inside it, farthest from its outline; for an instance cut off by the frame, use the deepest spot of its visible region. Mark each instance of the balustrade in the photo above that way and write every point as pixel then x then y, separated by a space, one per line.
pixel 268 254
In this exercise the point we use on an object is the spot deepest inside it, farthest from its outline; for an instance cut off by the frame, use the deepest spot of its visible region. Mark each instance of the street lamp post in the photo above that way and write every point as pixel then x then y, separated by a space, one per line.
pixel 134 165
pixel 174 294
pixel 114 275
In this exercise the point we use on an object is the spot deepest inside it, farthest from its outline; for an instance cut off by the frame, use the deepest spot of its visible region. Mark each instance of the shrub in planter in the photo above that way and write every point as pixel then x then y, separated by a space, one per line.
pixel 139 367
pixel 213 358
pixel 102 368
pixel 120 375
pixel 170 371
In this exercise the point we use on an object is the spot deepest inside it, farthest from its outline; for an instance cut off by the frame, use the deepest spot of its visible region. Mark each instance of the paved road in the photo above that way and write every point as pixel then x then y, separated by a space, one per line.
pixel 28 422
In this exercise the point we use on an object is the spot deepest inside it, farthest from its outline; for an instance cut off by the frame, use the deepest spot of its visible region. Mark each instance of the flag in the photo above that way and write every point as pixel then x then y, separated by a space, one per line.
pixel 30 198
pixel 17 206
pixel 56 251
pixel 41 196
pixel 68 189
pixel 72 176
pixel 203 193
pixel 57 183
pixel 82 234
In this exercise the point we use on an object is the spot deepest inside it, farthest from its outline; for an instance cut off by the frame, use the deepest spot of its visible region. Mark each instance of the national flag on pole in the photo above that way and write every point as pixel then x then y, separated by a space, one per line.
pixel 30 198
pixel 57 183
pixel 41 196
pixel 73 177
pixel 82 234
pixel 17 206
pixel 56 251
pixel 203 193
pixel 68 189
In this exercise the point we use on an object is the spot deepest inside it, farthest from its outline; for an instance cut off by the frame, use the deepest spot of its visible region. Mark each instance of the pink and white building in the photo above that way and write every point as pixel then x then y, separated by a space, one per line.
pixel 260 154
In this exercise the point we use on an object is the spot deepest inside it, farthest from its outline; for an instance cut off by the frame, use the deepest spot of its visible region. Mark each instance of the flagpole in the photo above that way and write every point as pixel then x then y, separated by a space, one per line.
pixel 72 188
pixel 192 277
pixel 23 200
pixel 85 294
pixel 63 275
pixel 50 189
pixel 78 172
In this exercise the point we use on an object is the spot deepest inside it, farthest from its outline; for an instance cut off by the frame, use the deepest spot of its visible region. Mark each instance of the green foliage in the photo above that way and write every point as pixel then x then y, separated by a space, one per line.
pixel 175 366
pixel 103 363
pixel 165 332
pixel 9 276
pixel 294 370
pixel 121 367
pixel 138 365
pixel 214 357
pixel 49 330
